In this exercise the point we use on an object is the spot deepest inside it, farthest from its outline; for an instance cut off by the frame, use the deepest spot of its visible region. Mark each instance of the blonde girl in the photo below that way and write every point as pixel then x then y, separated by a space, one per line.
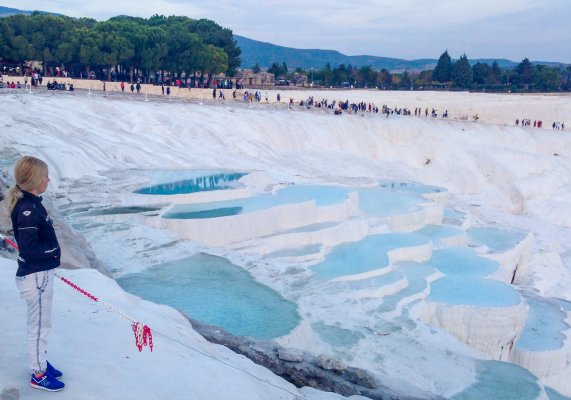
pixel 39 254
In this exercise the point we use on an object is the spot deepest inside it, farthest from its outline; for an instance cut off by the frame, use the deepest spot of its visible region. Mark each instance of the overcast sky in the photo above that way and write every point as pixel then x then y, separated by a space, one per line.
pixel 410 29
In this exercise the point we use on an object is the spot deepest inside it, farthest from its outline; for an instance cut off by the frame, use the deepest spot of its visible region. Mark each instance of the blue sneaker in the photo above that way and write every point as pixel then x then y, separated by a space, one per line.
pixel 54 372
pixel 46 382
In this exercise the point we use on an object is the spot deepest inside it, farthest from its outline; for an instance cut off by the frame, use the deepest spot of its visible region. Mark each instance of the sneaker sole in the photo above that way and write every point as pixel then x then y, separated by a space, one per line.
pixel 45 388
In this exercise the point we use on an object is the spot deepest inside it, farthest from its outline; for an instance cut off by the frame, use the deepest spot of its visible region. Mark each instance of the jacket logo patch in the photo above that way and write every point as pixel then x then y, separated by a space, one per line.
pixel 27 213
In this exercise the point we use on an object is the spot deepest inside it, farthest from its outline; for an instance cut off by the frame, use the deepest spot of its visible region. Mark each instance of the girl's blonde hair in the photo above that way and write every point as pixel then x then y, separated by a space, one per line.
pixel 29 173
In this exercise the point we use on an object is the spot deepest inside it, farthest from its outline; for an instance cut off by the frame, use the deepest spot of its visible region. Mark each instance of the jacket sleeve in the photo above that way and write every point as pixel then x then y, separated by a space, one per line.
pixel 31 247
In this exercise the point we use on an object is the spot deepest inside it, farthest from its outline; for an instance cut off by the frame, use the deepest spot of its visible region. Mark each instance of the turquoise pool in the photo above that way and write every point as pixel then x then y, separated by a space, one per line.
pixel 216 292
pixel 365 255
pixel 473 292
pixel 462 261
pixel 496 240
pixel 501 380
pixel 544 327
pixel 197 182
pixel 322 195
pixel 380 202
pixel 464 281
pixel 438 233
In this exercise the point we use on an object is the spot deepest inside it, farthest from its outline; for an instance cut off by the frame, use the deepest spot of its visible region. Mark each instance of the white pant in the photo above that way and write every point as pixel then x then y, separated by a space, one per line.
pixel 38 291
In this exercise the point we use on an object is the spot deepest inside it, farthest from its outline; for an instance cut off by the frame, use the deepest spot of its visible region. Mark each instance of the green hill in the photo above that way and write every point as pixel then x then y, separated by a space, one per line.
pixel 264 54
pixel 7 11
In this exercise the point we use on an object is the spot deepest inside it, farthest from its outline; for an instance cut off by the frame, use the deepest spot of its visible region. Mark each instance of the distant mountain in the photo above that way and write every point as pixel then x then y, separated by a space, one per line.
pixel 7 11
pixel 264 54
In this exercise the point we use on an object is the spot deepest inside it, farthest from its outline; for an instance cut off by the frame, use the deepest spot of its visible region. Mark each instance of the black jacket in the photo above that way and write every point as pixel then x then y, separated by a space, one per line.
pixel 34 232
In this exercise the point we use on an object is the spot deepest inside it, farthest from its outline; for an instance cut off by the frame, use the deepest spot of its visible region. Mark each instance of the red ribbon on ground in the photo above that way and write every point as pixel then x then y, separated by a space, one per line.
pixel 143 336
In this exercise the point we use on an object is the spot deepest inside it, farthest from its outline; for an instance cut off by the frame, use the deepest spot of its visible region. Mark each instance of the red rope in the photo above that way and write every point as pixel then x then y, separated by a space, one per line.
pixel 11 243
pixel 80 290
pixel 143 334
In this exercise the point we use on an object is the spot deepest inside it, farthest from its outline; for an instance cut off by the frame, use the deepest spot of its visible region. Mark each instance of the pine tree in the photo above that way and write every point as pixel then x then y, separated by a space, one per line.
pixel 406 82
pixel 462 72
pixel 443 69
pixel 547 79
pixel 495 73
pixel 525 71
pixel 480 72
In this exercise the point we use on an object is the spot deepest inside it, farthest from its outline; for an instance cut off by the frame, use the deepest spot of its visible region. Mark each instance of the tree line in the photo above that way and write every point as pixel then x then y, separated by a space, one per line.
pixel 447 74
pixel 122 47
pixel 524 77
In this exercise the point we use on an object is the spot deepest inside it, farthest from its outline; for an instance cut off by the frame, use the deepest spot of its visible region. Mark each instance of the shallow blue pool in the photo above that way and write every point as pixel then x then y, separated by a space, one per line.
pixel 495 239
pixel 464 281
pixel 198 181
pixel 216 292
pixel 462 261
pixel 437 233
pixel 544 327
pixel 473 292
pixel 363 256
pixel 380 202
pixel 377 202
pixel 555 395
pixel 565 304
pixel 322 195
pixel 500 380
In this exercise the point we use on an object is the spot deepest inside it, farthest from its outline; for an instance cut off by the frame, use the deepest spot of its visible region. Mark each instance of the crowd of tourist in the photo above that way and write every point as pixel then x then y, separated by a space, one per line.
pixel 55 85
pixel 363 107
pixel 337 106
pixel 11 85
pixel 526 122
